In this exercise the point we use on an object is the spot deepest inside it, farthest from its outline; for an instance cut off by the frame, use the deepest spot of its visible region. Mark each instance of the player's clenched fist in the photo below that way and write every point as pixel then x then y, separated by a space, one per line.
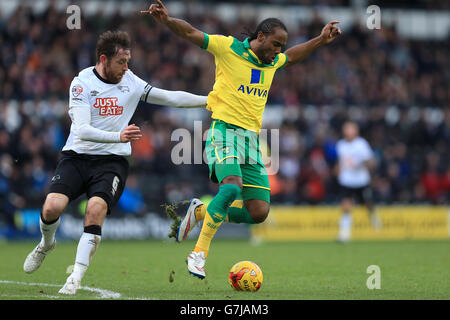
pixel 130 133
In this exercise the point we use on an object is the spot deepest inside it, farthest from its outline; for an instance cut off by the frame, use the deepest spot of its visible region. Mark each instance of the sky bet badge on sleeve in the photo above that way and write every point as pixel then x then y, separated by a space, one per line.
pixel 77 90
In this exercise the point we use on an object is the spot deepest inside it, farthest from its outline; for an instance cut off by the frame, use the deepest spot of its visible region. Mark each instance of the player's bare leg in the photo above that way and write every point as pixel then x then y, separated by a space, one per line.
pixel 345 222
pixel 54 205
pixel 90 239
pixel 258 209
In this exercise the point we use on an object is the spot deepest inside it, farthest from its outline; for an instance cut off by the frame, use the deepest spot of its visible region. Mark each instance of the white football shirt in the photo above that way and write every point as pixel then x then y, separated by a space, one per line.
pixel 353 173
pixel 111 108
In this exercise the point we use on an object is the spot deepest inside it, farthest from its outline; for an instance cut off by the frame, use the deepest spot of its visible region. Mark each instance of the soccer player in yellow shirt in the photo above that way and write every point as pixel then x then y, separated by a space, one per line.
pixel 244 74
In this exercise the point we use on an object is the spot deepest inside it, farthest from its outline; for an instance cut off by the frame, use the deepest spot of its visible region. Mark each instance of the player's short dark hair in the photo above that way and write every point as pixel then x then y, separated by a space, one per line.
pixel 266 26
pixel 110 42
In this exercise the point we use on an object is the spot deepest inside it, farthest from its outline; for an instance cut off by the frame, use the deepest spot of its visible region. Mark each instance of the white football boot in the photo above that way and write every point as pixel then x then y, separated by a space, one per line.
pixel 35 258
pixel 196 264
pixel 71 286
pixel 189 221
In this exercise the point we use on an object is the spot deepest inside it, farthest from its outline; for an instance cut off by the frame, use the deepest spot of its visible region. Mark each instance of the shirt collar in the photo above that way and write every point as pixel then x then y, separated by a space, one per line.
pixel 101 78
pixel 253 57
pixel 249 49
pixel 246 43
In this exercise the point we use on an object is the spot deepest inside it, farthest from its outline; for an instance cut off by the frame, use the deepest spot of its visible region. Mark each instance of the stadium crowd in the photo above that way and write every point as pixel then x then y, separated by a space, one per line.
pixel 396 89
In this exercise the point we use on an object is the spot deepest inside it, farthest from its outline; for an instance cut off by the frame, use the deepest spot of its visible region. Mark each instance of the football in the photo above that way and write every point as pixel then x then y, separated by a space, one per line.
pixel 245 276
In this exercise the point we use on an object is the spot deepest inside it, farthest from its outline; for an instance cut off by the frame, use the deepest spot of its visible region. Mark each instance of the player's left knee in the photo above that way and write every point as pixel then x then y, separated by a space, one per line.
pixel 259 210
pixel 346 204
pixel 260 217
pixel 96 210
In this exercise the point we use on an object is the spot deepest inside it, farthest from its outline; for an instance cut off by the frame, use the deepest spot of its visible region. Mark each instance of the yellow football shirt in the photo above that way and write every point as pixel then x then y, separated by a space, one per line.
pixel 242 82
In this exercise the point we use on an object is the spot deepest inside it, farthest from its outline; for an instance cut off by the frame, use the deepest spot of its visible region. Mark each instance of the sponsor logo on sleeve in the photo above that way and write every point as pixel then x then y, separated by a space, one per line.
pixel 77 90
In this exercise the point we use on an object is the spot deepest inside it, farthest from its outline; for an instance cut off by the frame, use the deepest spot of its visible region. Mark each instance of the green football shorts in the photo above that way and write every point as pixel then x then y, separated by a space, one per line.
pixel 232 150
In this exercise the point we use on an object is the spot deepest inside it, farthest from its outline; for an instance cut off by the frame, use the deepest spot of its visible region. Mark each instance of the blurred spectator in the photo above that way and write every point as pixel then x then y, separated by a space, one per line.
pixel 132 200
pixel 434 179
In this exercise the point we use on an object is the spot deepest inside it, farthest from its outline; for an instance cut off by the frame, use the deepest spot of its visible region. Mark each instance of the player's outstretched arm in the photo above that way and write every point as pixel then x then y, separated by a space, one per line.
pixel 177 99
pixel 300 52
pixel 177 26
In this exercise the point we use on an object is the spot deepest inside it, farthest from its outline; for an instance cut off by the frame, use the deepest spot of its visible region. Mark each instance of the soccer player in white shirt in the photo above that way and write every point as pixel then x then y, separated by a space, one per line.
pixel 355 161
pixel 103 98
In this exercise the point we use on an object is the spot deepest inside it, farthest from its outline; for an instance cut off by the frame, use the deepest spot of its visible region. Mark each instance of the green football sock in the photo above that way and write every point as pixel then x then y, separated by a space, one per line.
pixel 238 213
pixel 217 208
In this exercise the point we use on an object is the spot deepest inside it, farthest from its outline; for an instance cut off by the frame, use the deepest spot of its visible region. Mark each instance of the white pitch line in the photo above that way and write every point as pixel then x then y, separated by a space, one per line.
pixel 104 294
pixel 29 296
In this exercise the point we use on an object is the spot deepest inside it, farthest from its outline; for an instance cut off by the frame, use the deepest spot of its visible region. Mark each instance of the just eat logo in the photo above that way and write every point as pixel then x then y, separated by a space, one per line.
pixel 108 106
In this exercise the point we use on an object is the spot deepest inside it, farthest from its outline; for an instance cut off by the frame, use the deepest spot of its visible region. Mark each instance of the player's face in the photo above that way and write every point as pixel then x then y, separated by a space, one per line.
pixel 272 44
pixel 116 67
pixel 350 131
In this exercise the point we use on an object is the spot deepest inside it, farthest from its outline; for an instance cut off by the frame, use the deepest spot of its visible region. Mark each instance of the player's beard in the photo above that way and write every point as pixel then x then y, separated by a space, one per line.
pixel 111 76
pixel 267 60
pixel 266 56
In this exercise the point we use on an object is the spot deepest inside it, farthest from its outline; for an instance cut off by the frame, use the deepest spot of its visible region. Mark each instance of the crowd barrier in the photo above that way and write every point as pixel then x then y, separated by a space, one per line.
pixel 322 223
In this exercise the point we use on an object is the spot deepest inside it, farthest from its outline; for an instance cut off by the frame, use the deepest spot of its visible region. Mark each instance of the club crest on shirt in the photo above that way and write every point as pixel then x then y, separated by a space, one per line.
pixel 108 106
pixel 124 88
pixel 76 90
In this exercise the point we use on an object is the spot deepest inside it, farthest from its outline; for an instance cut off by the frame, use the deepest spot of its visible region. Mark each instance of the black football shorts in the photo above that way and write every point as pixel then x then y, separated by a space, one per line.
pixel 360 195
pixel 103 176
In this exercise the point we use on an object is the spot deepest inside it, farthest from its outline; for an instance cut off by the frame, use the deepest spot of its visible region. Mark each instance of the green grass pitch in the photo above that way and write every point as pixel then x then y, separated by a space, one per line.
pixel 292 270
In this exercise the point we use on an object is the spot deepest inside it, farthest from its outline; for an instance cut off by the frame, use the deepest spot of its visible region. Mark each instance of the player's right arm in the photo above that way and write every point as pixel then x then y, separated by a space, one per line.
pixel 370 162
pixel 177 26
pixel 84 130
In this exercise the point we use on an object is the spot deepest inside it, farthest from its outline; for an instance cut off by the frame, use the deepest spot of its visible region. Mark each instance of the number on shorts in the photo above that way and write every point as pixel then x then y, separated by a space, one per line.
pixel 115 184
